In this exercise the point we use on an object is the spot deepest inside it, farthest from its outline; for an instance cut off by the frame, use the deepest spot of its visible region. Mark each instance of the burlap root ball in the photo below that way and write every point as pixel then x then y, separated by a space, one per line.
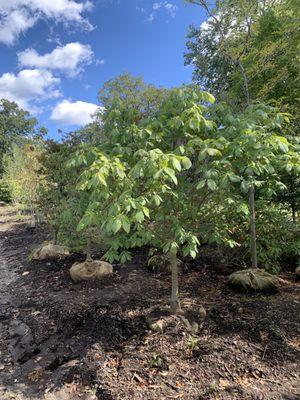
pixel 90 270
pixel 253 280
pixel 50 251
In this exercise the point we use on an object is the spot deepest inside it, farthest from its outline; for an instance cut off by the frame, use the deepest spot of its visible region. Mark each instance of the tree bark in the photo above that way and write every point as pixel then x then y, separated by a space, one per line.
pixel 245 80
pixel 55 235
pixel 33 220
pixel 88 250
pixel 175 304
pixel 252 227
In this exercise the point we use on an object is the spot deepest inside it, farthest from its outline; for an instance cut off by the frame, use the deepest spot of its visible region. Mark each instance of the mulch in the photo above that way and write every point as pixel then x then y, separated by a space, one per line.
pixel 92 338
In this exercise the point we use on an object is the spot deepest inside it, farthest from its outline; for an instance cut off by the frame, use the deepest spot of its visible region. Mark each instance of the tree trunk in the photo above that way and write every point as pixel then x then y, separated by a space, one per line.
pixel 33 220
pixel 245 80
pixel 252 227
pixel 55 234
pixel 88 250
pixel 294 213
pixel 175 304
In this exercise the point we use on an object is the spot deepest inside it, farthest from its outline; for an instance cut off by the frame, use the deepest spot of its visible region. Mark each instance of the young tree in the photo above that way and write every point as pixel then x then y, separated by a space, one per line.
pixel 22 176
pixel 258 154
pixel 58 198
pixel 142 183
pixel 15 126
pixel 248 50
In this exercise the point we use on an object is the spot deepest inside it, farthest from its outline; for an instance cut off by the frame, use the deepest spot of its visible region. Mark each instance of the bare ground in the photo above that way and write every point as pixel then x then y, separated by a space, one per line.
pixel 60 340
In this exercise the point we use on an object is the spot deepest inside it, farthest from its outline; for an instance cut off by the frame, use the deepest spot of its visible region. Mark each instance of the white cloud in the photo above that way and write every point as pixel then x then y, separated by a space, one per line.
pixel 151 17
pixel 100 61
pixel 157 6
pixel 170 8
pixel 29 87
pixel 77 113
pixel 17 16
pixel 69 58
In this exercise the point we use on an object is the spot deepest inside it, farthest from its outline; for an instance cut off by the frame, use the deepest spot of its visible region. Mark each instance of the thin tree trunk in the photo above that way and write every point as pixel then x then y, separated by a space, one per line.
pixel 55 234
pixel 88 249
pixel 175 304
pixel 294 214
pixel 245 79
pixel 33 220
pixel 252 227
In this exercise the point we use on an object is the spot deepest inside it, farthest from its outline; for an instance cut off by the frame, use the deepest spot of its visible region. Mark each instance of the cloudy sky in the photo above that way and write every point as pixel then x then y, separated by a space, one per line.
pixel 56 54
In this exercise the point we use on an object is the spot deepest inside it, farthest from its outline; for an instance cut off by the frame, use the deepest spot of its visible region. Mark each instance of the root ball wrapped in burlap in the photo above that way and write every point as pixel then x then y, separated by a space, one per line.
pixel 50 251
pixel 254 280
pixel 90 270
pixel 160 263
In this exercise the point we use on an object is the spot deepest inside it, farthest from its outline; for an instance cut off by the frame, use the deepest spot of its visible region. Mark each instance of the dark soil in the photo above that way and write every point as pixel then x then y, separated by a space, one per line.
pixel 60 340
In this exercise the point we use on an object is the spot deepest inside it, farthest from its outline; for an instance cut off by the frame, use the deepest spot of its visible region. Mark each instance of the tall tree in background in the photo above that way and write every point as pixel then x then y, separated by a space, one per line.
pixel 22 174
pixel 15 125
pixel 133 99
pixel 248 50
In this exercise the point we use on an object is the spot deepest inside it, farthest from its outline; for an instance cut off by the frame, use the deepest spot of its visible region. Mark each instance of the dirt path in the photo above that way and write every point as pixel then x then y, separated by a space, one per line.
pixel 7 274
pixel 88 341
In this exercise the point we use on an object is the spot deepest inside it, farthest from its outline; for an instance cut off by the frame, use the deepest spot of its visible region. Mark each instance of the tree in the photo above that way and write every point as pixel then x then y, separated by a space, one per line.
pixel 132 99
pixel 58 198
pixel 248 50
pixel 142 183
pixel 22 176
pixel 15 125
pixel 259 154
pixel 238 40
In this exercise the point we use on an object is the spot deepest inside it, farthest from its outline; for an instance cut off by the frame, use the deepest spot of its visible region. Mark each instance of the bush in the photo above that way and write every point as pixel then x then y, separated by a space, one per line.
pixel 4 192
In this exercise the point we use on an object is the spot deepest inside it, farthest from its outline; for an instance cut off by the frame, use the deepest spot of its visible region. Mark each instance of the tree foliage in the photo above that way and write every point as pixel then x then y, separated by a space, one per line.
pixel 15 125
pixel 257 38
pixel 22 175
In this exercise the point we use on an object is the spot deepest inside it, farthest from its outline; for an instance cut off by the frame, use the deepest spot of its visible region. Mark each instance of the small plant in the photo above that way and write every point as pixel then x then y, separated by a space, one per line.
pixel 156 361
pixel 192 343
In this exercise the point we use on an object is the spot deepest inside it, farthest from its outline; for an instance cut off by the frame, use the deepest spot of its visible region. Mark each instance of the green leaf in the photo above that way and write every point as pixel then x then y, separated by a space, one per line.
pixel 211 184
pixel 193 253
pixel 139 216
pixel 209 125
pixel 208 97
pixel 194 124
pixel 157 175
pixel 186 163
pixel 202 155
pixel 201 184
pixel 245 186
pixel 157 200
pixel 176 164
pixel 283 147
pixel 234 178
pixel 146 211
pixel 213 152
pixel 101 179
pixel 172 175
pixel 126 225
pixel 116 225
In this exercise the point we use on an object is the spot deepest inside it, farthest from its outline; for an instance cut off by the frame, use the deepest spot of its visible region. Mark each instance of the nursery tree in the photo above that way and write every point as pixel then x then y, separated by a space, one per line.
pixel 258 154
pixel 248 49
pixel 15 125
pixel 22 175
pixel 141 183
pixel 127 99
pixel 59 200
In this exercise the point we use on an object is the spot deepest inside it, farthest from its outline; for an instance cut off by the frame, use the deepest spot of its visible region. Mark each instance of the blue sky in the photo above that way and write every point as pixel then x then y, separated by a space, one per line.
pixel 55 55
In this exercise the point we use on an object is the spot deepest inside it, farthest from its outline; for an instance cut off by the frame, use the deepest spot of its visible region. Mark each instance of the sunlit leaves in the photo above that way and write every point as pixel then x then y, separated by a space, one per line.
pixel 211 184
